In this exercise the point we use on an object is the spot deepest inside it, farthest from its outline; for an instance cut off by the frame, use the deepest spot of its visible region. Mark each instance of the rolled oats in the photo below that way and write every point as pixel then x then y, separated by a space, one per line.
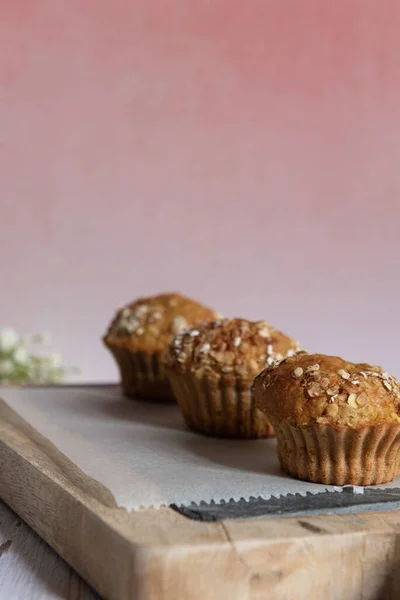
pixel 332 410
pixel 344 374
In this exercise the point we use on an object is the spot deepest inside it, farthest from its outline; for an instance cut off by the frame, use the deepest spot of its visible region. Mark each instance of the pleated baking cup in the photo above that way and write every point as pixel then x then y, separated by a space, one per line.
pixel 219 409
pixel 142 374
pixel 339 456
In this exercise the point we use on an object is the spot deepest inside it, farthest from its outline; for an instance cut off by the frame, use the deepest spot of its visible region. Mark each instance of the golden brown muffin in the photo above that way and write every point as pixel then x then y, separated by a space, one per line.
pixel 336 422
pixel 139 334
pixel 211 369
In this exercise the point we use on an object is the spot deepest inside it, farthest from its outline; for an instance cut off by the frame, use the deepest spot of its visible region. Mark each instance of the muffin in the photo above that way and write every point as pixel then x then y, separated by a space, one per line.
pixel 211 369
pixel 139 334
pixel 336 422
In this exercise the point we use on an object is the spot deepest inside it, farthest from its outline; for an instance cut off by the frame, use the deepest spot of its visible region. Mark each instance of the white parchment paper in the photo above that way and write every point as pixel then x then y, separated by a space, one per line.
pixel 144 454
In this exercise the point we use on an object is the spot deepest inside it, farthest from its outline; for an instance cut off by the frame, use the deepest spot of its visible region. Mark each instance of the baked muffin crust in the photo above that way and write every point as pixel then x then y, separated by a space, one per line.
pixel 328 390
pixel 150 323
pixel 228 349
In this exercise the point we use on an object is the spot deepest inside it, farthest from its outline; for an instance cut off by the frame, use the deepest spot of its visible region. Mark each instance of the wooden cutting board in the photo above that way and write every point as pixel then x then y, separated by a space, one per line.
pixel 160 554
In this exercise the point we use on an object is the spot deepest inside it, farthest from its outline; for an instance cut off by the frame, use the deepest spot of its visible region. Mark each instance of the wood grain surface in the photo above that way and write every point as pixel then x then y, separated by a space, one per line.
pixel 30 569
pixel 159 554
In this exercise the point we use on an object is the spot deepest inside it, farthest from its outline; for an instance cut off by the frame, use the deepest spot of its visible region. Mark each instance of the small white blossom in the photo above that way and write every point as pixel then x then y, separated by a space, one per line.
pixel 21 355
pixel 6 367
pixel 55 360
pixel 8 339
pixel 20 366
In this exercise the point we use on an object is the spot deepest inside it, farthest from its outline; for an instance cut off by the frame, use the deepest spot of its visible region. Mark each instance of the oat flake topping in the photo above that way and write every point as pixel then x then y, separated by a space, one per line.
pixel 229 347
pixel 295 389
pixel 152 322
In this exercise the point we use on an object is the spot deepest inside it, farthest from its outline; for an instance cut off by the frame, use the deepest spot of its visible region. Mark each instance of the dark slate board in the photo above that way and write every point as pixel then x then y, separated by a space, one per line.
pixel 346 501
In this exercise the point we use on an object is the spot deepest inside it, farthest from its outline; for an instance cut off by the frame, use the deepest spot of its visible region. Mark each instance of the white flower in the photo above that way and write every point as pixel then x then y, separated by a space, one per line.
pixel 21 355
pixel 6 367
pixel 8 339
pixel 55 360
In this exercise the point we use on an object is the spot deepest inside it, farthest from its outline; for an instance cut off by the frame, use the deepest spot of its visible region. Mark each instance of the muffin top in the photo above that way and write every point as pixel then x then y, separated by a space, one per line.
pixel 228 349
pixel 149 324
pixel 315 388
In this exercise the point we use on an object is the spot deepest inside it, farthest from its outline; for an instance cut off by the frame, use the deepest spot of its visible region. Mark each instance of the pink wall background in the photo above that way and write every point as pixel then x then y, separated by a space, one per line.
pixel 247 154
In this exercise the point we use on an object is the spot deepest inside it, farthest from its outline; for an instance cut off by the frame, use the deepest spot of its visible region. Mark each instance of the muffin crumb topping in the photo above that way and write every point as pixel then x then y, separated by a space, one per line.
pixel 204 348
pixel 150 323
pixel 178 324
pixel 264 330
pixel 229 348
pixel 344 374
pixel 296 390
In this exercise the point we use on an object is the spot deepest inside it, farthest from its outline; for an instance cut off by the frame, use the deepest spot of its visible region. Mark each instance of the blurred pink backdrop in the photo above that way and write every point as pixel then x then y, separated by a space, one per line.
pixel 246 154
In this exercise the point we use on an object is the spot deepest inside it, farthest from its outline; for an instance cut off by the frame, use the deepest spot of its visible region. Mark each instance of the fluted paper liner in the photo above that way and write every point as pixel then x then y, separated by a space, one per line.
pixel 339 456
pixel 219 409
pixel 142 374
